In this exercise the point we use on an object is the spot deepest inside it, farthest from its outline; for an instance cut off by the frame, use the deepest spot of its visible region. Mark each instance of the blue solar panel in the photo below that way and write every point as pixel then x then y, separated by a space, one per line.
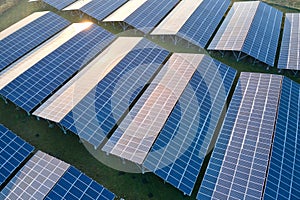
pixel 179 150
pixel 76 185
pixel 237 167
pixel 59 4
pixel 148 15
pixel 262 39
pixel 203 22
pixel 28 37
pixel 13 151
pixel 290 46
pixel 283 180
pixel 38 82
pixel 99 9
pixel 95 116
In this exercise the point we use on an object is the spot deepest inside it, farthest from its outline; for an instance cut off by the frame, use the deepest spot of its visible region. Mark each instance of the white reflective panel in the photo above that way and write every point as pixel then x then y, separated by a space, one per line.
pixel 124 11
pixel 234 29
pixel 176 19
pixel 77 5
pixel 36 178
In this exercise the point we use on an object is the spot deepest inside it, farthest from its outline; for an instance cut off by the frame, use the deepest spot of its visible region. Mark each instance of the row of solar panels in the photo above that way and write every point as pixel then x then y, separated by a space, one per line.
pixel 257 153
pixel 42 176
pixel 245 30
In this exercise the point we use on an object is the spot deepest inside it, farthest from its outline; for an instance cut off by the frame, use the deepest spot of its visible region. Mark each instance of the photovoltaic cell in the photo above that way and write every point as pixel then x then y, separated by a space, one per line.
pixel 98 112
pixel 290 46
pixel 37 83
pixel 238 165
pixel 283 179
pixel 59 4
pixel 252 28
pixel 76 185
pixel 13 151
pixel 179 150
pixel 99 9
pixel 35 179
pixel 30 36
pixel 148 15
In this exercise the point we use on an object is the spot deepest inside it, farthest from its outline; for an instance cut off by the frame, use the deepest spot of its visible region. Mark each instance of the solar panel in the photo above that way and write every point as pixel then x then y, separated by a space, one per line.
pixel 13 151
pixel 203 22
pixel 141 126
pixel 39 27
pixel 262 39
pixel 148 15
pixel 237 167
pixel 33 86
pixel 97 113
pixel 36 178
pixel 99 9
pixel 283 180
pixel 290 46
pixel 252 28
pixel 179 150
pixel 76 185
pixel 59 4
pixel 193 20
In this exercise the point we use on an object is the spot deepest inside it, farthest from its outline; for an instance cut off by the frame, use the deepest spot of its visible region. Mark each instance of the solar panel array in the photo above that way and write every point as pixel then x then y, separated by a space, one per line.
pixel 97 113
pixel 59 4
pixel 35 179
pixel 13 151
pixel 76 185
pixel 138 131
pixel 252 28
pixel 148 15
pixel 179 150
pixel 238 165
pixel 30 36
pixel 203 22
pixel 34 85
pixel 290 45
pixel 99 9
pixel 283 180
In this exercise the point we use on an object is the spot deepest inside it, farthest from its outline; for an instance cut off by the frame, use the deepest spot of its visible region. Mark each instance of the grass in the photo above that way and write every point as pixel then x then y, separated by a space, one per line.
pixel 67 147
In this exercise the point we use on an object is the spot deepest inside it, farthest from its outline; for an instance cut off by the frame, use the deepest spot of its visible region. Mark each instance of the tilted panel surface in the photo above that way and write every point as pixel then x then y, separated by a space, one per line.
pixel 238 165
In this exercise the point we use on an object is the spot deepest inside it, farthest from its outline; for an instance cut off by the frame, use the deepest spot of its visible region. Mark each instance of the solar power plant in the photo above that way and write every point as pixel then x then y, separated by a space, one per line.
pixel 36 178
pixel 13 151
pixel 76 185
pixel 20 38
pixel 39 81
pixel 153 108
pixel 149 14
pixel 283 179
pixel 181 146
pixel 96 114
pixel 193 20
pixel 252 28
pixel 59 4
pixel 99 9
pixel 290 45
pixel 238 164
